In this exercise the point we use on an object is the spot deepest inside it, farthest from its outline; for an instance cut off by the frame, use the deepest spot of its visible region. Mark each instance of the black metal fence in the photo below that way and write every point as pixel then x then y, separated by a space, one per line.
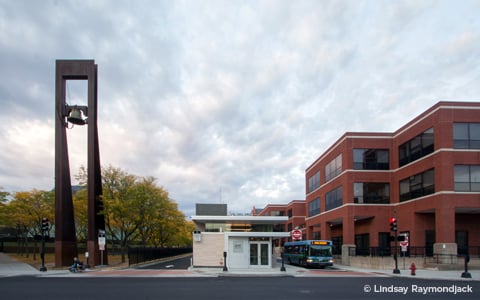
pixel 473 251
pixel 141 255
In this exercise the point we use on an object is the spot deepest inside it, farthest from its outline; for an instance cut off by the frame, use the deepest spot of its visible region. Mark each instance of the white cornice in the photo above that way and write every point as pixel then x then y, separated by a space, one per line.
pixel 387 135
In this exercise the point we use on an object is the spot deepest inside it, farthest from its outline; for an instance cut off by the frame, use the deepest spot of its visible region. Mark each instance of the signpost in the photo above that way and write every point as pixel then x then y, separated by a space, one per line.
pixel 101 243
pixel 404 246
pixel 296 234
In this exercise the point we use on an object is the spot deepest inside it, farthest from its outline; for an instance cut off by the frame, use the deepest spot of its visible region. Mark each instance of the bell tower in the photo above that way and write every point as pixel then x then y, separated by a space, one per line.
pixel 65 234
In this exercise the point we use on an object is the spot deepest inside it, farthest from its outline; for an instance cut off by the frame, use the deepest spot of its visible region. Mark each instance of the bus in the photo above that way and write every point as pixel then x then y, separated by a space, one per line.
pixel 309 253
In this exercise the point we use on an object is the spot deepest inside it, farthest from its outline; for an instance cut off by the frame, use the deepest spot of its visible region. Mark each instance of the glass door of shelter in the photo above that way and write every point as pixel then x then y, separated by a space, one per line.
pixel 259 254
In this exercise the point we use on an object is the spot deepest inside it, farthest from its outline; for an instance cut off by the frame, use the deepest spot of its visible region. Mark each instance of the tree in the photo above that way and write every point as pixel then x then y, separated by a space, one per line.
pixel 137 211
pixel 169 225
pixel 26 211
pixel 150 200
pixel 119 204
pixel 80 208
pixel 3 200
pixel 3 195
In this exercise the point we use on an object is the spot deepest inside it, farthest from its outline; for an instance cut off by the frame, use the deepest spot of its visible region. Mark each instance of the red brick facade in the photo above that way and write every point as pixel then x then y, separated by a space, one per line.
pixel 295 210
pixel 351 204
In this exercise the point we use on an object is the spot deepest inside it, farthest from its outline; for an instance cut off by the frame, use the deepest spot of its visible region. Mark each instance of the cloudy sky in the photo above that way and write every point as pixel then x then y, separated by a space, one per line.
pixel 226 101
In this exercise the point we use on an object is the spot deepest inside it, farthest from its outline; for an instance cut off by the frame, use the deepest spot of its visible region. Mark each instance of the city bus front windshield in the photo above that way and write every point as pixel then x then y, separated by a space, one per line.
pixel 324 251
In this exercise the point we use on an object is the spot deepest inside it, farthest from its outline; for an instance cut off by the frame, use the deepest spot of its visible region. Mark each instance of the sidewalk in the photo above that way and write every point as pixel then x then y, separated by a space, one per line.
pixel 420 273
pixel 10 267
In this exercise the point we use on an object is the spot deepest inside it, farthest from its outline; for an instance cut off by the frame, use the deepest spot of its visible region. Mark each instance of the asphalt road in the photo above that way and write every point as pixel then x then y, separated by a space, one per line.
pixel 235 288
pixel 175 264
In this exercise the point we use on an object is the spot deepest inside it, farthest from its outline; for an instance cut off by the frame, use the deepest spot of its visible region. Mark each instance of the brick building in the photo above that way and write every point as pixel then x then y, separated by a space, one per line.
pixel 426 174
pixel 294 210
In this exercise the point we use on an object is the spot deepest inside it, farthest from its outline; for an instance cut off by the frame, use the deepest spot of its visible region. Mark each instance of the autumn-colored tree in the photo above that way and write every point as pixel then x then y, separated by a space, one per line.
pixel 80 208
pixel 3 199
pixel 137 210
pixel 119 204
pixel 3 195
pixel 26 211
pixel 169 225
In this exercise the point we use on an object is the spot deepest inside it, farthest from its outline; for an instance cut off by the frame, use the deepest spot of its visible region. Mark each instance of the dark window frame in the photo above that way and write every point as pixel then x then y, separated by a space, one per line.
pixel 314 182
pixel 416 148
pixel 334 199
pixel 370 159
pixel 466 135
pixel 371 193
pixel 334 168
pixel 466 184
pixel 314 207
pixel 419 185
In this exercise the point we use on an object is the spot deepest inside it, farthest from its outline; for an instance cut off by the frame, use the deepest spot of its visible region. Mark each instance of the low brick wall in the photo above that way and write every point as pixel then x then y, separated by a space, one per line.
pixel 385 262
pixel 388 263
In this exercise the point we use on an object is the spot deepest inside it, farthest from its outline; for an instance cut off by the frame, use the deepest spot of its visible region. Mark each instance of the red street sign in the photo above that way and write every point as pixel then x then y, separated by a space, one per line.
pixel 404 244
pixel 296 234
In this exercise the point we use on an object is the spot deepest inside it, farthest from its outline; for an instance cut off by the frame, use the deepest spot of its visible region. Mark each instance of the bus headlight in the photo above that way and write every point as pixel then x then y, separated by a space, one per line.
pixel 309 260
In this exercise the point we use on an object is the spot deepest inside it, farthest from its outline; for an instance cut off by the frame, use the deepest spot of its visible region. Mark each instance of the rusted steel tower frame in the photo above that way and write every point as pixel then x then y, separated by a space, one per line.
pixel 65 236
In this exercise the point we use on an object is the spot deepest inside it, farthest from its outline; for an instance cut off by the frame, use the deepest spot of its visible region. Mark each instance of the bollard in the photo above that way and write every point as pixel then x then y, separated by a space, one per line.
pixel 466 274
pixel 282 268
pixel 225 261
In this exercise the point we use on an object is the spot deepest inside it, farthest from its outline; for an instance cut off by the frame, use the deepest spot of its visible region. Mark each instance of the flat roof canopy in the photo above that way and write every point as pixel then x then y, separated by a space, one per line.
pixel 240 219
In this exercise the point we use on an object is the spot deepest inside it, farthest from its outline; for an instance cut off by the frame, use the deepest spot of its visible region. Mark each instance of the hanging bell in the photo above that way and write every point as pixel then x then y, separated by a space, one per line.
pixel 76 117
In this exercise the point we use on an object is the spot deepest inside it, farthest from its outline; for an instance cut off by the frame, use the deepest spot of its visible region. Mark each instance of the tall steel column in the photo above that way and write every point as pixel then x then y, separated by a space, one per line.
pixel 65 236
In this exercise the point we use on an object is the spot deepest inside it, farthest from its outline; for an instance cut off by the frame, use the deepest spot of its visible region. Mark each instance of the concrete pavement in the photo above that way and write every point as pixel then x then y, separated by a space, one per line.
pixel 10 267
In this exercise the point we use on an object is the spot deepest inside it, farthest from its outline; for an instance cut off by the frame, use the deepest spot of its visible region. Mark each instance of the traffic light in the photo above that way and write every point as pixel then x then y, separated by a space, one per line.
pixel 393 224
pixel 44 224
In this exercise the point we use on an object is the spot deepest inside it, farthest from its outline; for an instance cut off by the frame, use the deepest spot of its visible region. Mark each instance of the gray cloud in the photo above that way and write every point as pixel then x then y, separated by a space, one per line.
pixel 227 100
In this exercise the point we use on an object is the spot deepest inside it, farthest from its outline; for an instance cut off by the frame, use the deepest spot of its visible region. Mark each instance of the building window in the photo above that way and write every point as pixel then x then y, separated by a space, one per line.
pixel 418 185
pixel 362 243
pixel 276 213
pixel 371 192
pixel 333 168
pixel 276 228
pixel 467 178
pixel 466 135
pixel 314 182
pixel 316 235
pixel 314 207
pixel 333 199
pixel 416 148
pixel 370 159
